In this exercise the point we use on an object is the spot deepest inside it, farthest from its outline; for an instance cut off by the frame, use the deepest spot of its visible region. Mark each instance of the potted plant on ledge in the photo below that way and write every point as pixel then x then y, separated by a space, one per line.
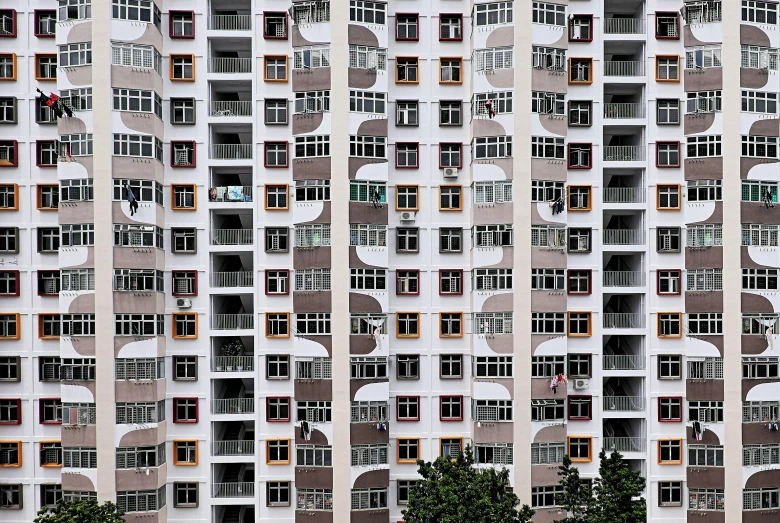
pixel 232 348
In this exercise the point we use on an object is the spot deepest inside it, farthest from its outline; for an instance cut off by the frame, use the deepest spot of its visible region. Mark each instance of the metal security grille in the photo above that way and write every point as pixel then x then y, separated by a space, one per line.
pixel 312 279
pixel 312 235
pixel 756 455
pixel 78 280
pixel 368 411
pixel 79 457
pixel 705 279
pixel 313 368
pixel 368 235
pixel 493 323
pixel 707 368
pixel 705 235
pixel 365 455
pixel 496 454
pixel 547 453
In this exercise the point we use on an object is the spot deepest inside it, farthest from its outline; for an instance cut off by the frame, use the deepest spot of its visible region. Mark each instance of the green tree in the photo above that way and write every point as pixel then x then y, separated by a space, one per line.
pixel 83 511
pixel 457 492
pixel 616 496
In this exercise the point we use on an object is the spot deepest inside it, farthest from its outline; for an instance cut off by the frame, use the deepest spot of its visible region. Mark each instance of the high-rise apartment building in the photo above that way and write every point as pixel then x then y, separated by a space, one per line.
pixel 366 233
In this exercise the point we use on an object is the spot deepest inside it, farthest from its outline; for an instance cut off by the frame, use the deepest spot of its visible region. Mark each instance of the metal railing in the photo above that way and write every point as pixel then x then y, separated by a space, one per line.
pixel 624 278
pixel 230 22
pixel 624 153
pixel 232 363
pixel 624 237
pixel 236 447
pixel 231 151
pixel 624 111
pixel 624 403
pixel 624 194
pixel 230 65
pixel 244 489
pixel 622 362
pixel 625 444
pixel 231 108
pixel 232 279
pixel 233 194
pixel 232 237
pixel 624 68
pixel 623 320
pixel 233 406
pixel 232 321
pixel 624 26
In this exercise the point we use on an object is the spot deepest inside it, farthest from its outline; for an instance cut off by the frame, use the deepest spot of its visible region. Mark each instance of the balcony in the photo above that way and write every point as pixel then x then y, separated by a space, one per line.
pixel 240 489
pixel 623 320
pixel 232 237
pixel 624 194
pixel 232 279
pixel 233 448
pixel 233 363
pixel 231 184
pixel 233 438
pixel 625 444
pixel 624 111
pixel 624 68
pixel 625 435
pixel 624 403
pixel 624 279
pixel 624 153
pixel 230 65
pixel 623 26
pixel 230 151
pixel 622 362
pixel 230 108
pixel 230 22
pixel 623 353
pixel 232 321
pixel 233 406
pixel 624 237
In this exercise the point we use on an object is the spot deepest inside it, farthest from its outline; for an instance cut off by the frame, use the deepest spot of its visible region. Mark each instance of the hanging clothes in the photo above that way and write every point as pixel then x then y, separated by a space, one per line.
pixel 132 201
pixel 696 432
pixel 554 384
pixel 305 431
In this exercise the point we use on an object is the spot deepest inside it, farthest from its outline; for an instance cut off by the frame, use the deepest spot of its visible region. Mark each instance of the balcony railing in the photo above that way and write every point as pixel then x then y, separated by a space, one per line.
pixel 624 278
pixel 624 111
pixel 233 363
pixel 232 279
pixel 624 68
pixel 244 489
pixel 233 406
pixel 231 108
pixel 232 321
pixel 230 22
pixel 624 153
pixel 232 237
pixel 623 320
pixel 233 193
pixel 622 362
pixel 625 444
pixel 624 194
pixel 624 26
pixel 230 65
pixel 624 237
pixel 231 151
pixel 624 403
pixel 233 448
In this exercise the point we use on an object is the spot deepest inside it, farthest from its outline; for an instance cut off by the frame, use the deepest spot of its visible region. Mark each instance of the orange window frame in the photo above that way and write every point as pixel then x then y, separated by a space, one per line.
pixel 451 209
pixel 462 326
pixel 397 322
pixel 658 196
pixel 15 66
pixel 18 326
pixel 441 444
pixel 679 69
pixel 590 449
pixel 286 68
pixel 194 207
pixel 592 70
pixel 38 188
pixel 276 335
pixel 174 315
pixel 40 448
pixel 185 463
pixel 41 317
pixel 451 58
pixel 268 454
pixel 38 56
pixel 407 186
pixel 579 335
pixel 588 207
pixel 19 463
pixel 286 199
pixel 676 462
pixel 398 450
pixel 16 192
pixel 170 68
pixel 658 325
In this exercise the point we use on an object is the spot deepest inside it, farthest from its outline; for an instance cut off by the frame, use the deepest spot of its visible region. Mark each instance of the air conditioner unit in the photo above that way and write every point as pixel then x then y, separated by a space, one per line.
pixel 450 172
pixel 581 384
pixel 183 303
pixel 408 216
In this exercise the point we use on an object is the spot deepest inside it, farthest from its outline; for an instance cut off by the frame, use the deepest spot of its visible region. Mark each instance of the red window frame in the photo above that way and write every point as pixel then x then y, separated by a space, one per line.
pixel 397 271
pixel 40 411
pixel 170 25
pixel 173 287
pixel 194 154
pixel 415 166
pixel 16 154
pixel 674 420
pixel 571 25
pixel 416 15
pixel 448 293
pixel 286 25
pixel 36 17
pixel 568 156
pixel 16 274
pixel 456 15
pixel 38 155
pixel 666 13
pixel 18 411
pixel 658 282
pixel 442 418
pixel 679 155
pixel 590 282
pixel 13 19
pixel 37 274
pixel 286 150
pixel 267 410
pixel 176 406
pixel 397 412
pixel 579 396
pixel 277 293
pixel 460 147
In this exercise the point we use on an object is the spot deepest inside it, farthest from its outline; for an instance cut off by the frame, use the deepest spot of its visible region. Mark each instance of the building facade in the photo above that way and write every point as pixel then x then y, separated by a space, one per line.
pixel 353 243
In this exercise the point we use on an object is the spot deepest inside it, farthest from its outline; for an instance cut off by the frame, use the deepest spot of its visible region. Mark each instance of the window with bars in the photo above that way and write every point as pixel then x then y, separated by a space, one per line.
pixel 705 411
pixel 312 280
pixel 79 457
pixel 366 235
pixel 368 455
pixel 314 498
pixel 707 235
pixel 313 368
pixel 369 499
pixel 311 57
pixel 77 369
pixel 493 235
pixel 488 323
pixel 705 368
pixel 140 457
pixel 141 500
pixel 368 411
pixel 314 455
pixel 492 279
pixel 313 411
pixel 78 279
pixel 703 57
pixel 547 453
pixel 485 60
pixel 139 368
pixel 760 411
pixel 140 412
pixel 367 191
pixel 365 57
pixel 759 235
pixel 491 410
pixel 79 414
pixel 757 57
pixel 314 235
pixel 136 55
pixel 705 279
pixel 761 454
pixel 761 498
pixel 138 280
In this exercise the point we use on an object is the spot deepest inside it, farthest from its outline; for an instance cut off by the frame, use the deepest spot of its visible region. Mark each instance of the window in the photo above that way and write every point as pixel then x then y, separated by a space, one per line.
pixel 77 190
pixel 185 495
pixel 548 14
pixel 493 235
pixel 408 450
pixel 407 198
pixel 580 449
pixel 759 102
pixel 404 487
pixel 705 279
pixel 541 103
pixel 705 411
pixel 275 69
pixel 368 368
pixel 50 495
pixel 579 116
pixel 492 410
pixel 181 24
pixel 364 57
pixel 547 410
pixel 450 198
pixel 10 368
pixel 707 235
pixel 450 240
pixel 547 453
pixel 141 500
pixel 367 102
pixel 667 26
pixel 451 366
pixel 277 409
pixel 757 455
pixel 547 366
pixel 407 408
pixel 759 12
pixel 579 281
pixel 492 147
pixel 669 409
pixel 667 154
pixel 277 367
pixel 184 240
pixel 185 410
pixel 369 498
pixel 46 154
pixel 79 414
pixel 48 326
pixel 667 68
pixel 311 280
pixel 48 368
pixel 8 112
pixel 10 411
pixel 581 70
pixel 669 324
pixel 368 411
pixel 10 454
pixel 136 11
pixel 182 68
pixel 367 12
pixel 450 27
pixel 8 66
pixel 705 455
pixel 756 57
pixel 274 25
pixel 702 57
pixel 492 366
pixel 11 496
pixel 317 455
pixel 407 282
pixel 311 57
pixel 407 70
pixel 407 26
pixel 368 279
pixel 493 14
pixel 669 281
pixel 45 23
pixel 277 281
pixel 547 147
pixel 135 324
pixel 10 326
pixel 185 368
pixel 670 452
pixel 143 190
pixel 9 197
pixel 669 367
pixel 407 155
pixel 450 324
pixel 761 498
pixel 408 367
pixel 185 453
pixel 759 146
pixel 579 240
pixel 580 156
pixel 760 279
pixel 406 113
pixel 143 146
pixel 185 325
pixel 276 239
pixel 314 368
pixel 760 368
pixel 8 23
pixel 668 239
pixel 314 498
pixel 704 102
pixel 137 55
pixel 450 70
pixel 710 146
pixel 705 368
pixel 277 325
pixel 667 197
pixel 310 236
pixel 579 324
pixel 451 408
pixel 45 67
pixel 450 282
pixel 314 411
pixel 278 493
pixel 277 452
pixel 667 112
pixel 551 323
pixel 9 284
pixel 669 493
pixel 450 448
pixel 450 113
pixel 703 12
pixel 312 323
pixel 312 146
pixel 759 411
pixel 276 197
pixel 276 154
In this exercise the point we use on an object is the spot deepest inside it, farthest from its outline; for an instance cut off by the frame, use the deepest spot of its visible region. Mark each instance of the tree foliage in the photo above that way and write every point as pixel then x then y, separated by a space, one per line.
pixel 457 492
pixel 83 511
pixel 616 496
